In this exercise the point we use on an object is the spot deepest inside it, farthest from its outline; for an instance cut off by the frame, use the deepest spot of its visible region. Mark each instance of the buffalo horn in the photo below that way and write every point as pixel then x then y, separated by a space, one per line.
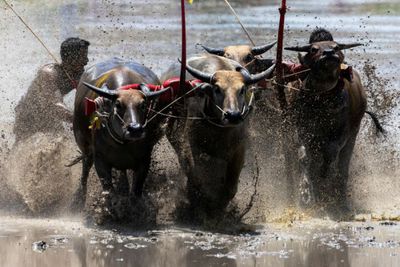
pixel 347 46
pixel 215 51
pixel 148 93
pixel 305 48
pixel 205 77
pixel 104 91
pixel 258 50
pixel 251 79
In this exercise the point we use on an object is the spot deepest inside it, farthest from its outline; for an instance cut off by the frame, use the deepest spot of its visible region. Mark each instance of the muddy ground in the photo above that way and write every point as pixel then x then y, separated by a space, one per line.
pixel 35 181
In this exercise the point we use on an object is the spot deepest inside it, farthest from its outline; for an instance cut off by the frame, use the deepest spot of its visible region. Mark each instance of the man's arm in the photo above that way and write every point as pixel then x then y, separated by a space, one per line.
pixel 49 86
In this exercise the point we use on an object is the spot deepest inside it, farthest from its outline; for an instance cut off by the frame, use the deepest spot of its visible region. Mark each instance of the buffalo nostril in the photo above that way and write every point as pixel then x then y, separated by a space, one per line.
pixel 233 116
pixel 135 127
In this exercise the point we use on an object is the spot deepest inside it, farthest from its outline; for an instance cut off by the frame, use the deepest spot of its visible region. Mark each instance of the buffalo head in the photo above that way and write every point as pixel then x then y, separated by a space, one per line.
pixel 323 58
pixel 245 55
pixel 127 110
pixel 226 91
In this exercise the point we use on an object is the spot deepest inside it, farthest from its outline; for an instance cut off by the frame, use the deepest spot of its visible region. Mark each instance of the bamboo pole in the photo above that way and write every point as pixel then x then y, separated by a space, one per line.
pixel 183 56
pixel 279 66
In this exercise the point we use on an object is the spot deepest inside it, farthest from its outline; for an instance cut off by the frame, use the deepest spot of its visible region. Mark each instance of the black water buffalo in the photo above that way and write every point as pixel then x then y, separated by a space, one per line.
pixel 211 141
pixel 245 55
pixel 121 138
pixel 327 113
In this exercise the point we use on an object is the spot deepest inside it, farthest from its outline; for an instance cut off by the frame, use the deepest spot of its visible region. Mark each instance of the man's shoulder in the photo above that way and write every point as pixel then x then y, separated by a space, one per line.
pixel 48 69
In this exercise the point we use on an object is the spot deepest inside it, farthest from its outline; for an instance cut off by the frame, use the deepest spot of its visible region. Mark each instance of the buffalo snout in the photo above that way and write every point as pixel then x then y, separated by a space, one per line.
pixel 233 116
pixel 135 129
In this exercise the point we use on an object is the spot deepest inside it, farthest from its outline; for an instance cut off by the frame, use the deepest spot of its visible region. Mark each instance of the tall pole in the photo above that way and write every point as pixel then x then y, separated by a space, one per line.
pixel 287 131
pixel 183 64
pixel 279 66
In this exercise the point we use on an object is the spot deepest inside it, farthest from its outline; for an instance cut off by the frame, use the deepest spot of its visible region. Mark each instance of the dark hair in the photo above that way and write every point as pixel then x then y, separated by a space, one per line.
pixel 71 47
pixel 319 35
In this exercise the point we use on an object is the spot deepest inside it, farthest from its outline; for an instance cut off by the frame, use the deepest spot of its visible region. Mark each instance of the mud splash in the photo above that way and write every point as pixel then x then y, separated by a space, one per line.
pixel 36 181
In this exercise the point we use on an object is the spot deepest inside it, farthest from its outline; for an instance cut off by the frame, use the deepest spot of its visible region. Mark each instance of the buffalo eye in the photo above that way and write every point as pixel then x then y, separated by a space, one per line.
pixel 118 104
pixel 336 48
pixel 217 90
pixel 314 50
pixel 248 58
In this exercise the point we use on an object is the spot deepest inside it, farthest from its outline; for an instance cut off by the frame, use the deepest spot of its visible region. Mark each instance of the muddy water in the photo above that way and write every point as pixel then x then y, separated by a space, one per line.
pixel 148 31
pixel 312 243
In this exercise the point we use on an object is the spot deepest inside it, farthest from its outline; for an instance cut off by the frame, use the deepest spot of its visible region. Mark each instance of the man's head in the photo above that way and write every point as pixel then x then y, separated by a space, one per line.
pixel 320 35
pixel 74 54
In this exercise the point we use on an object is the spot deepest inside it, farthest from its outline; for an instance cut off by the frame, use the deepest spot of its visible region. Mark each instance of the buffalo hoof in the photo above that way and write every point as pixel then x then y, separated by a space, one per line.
pixel 101 207
pixel 78 201
pixel 119 207
pixel 143 211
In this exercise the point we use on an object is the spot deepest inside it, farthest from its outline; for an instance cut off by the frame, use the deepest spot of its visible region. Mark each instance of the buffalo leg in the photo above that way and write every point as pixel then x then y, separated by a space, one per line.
pixel 123 184
pixel 104 172
pixel 79 198
pixel 311 163
pixel 140 176
pixel 343 171
pixel 232 176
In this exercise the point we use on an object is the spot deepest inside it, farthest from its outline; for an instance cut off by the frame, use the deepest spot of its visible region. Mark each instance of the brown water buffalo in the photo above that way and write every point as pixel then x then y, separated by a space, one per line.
pixel 327 113
pixel 211 141
pixel 245 55
pixel 121 138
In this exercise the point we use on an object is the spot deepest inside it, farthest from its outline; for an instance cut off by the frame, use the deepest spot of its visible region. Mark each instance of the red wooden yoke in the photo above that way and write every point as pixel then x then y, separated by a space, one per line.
pixel 167 97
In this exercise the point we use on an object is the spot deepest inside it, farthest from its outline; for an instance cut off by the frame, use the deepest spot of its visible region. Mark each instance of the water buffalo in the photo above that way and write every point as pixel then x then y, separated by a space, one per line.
pixel 245 55
pixel 121 138
pixel 211 142
pixel 327 113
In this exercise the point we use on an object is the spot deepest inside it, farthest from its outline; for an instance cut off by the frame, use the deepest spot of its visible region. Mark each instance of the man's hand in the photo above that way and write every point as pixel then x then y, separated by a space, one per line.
pixel 67 114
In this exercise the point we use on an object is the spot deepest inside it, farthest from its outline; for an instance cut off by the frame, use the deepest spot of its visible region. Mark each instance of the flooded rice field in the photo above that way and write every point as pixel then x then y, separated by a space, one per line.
pixel 36 188
pixel 40 242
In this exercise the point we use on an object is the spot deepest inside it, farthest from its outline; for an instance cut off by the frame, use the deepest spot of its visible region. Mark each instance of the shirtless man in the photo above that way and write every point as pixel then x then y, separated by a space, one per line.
pixel 41 109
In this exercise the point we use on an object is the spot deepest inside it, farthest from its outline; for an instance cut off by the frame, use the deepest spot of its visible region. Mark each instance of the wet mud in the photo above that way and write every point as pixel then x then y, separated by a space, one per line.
pixel 268 228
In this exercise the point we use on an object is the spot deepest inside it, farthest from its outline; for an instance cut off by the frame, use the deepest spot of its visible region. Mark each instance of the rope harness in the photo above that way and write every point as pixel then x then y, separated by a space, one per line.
pixel 101 118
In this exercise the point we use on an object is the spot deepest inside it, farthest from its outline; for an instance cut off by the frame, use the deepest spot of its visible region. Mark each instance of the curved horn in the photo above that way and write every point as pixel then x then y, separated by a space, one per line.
pixel 347 46
pixel 215 51
pixel 205 77
pixel 305 48
pixel 148 93
pixel 251 79
pixel 258 50
pixel 105 92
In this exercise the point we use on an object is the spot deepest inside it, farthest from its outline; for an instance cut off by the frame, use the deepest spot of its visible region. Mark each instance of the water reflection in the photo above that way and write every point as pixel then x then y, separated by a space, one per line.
pixel 306 244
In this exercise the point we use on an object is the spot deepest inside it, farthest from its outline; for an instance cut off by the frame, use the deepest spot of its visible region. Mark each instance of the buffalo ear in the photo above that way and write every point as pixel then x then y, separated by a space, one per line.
pixel 204 89
pixel 104 91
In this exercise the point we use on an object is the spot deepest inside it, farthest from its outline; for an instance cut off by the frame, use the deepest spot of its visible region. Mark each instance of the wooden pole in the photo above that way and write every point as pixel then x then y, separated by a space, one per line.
pixel 183 56
pixel 279 67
